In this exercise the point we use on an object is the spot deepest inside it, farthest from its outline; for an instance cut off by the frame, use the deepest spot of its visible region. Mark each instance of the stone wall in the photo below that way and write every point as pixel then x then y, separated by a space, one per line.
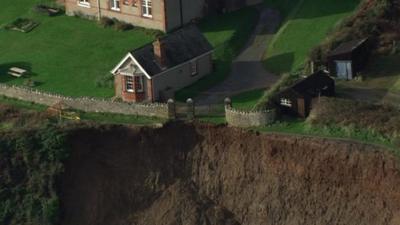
pixel 240 118
pixel 88 104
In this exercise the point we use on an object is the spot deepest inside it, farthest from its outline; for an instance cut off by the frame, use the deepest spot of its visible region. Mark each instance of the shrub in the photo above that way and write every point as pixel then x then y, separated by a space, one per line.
pixel 373 19
pixel 105 81
pixel 122 26
pixel 106 22
pixel 31 162
pixel 379 119
pixel 30 83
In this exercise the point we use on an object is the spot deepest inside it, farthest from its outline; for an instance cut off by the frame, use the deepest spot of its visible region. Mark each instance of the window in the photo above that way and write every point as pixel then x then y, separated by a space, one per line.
pixel 147 8
pixel 84 3
pixel 139 84
pixel 130 2
pixel 134 84
pixel 115 5
pixel 286 102
pixel 193 67
pixel 129 84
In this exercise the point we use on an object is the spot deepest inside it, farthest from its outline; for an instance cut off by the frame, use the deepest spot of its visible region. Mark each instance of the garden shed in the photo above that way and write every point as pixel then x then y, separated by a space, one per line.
pixel 348 59
pixel 298 99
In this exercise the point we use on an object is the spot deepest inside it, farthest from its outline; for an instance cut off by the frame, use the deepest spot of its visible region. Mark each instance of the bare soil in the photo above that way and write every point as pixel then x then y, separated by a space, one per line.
pixel 204 175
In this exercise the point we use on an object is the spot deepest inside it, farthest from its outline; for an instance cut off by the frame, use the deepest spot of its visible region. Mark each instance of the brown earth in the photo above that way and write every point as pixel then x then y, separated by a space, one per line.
pixel 205 175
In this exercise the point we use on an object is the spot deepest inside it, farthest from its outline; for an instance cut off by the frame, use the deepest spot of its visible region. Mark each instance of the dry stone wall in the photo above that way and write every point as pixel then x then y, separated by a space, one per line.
pixel 88 104
pixel 238 118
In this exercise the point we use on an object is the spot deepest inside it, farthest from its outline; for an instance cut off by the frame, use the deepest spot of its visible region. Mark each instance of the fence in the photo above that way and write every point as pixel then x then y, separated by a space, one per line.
pixel 90 104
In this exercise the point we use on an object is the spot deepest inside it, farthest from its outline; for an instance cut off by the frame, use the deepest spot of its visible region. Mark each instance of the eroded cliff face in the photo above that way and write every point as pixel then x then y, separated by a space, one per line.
pixel 199 174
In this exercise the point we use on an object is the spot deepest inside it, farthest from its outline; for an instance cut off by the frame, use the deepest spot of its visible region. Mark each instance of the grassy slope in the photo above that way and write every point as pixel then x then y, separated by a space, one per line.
pixel 227 33
pixel 247 100
pixel 304 29
pixel 65 54
pixel 301 127
pixel 382 73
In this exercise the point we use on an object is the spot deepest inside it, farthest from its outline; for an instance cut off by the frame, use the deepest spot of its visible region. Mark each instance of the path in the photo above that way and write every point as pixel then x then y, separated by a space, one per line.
pixel 247 72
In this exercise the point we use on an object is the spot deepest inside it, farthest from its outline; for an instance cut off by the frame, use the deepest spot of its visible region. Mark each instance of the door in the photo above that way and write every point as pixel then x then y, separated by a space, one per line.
pixel 344 70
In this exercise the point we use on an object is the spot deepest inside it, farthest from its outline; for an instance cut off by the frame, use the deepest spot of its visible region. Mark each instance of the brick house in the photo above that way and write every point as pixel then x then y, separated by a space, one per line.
pixel 164 15
pixel 155 71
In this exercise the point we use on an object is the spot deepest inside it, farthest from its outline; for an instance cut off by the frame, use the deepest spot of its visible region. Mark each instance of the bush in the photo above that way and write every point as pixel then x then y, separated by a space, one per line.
pixel 105 81
pixel 380 119
pixel 122 26
pixel 106 22
pixel 30 83
pixel 373 19
pixel 31 162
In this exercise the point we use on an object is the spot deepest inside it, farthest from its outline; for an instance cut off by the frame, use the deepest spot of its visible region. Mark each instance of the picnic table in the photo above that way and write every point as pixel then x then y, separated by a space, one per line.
pixel 17 72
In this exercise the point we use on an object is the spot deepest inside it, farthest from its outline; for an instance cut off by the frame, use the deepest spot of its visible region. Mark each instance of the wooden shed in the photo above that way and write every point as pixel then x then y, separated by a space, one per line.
pixel 298 99
pixel 348 59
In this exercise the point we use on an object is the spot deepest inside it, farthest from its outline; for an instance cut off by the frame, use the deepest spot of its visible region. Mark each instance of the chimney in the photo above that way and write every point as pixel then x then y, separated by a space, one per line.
pixel 159 52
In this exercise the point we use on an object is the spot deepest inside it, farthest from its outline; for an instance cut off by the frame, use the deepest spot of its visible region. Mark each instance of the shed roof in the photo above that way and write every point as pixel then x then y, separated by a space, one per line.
pixel 180 46
pixel 311 84
pixel 348 47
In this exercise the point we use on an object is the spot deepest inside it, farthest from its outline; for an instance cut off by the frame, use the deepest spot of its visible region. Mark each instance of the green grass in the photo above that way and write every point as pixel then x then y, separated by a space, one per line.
pixel 285 7
pixel 301 127
pixel 65 54
pixel 22 104
pixel 227 33
pixel 305 28
pixel 247 100
pixel 212 119
pixel 111 118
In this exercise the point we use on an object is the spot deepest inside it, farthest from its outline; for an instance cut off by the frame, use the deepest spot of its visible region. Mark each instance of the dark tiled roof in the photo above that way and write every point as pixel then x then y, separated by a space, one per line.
pixel 180 46
pixel 347 47
pixel 312 84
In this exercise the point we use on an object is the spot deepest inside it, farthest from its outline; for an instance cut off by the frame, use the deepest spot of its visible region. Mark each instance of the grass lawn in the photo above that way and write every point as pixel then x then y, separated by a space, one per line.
pixel 247 100
pixel 228 34
pixel 301 127
pixel 65 54
pixel 285 7
pixel 305 28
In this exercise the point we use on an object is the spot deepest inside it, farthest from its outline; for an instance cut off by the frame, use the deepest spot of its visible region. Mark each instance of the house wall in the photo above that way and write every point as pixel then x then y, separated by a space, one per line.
pixel 145 96
pixel 129 14
pixel 180 76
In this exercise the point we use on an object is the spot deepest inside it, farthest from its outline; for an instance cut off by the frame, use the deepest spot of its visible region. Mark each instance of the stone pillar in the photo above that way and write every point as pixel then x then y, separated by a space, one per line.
pixel 171 109
pixel 190 109
pixel 228 103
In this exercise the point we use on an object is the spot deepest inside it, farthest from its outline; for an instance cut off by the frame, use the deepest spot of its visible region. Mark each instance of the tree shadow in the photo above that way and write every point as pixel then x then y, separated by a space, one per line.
pixel 279 64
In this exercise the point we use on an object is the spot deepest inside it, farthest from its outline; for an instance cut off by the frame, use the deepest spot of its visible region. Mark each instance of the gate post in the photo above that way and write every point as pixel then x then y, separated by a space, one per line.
pixel 190 109
pixel 171 109
pixel 228 103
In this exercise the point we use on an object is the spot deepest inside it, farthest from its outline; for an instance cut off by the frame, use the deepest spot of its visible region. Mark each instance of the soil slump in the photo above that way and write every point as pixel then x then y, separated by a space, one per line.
pixel 201 175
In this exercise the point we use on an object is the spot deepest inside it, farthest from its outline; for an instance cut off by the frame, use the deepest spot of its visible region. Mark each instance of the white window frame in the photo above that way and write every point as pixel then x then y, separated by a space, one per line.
pixel 194 70
pixel 286 102
pixel 116 5
pixel 130 84
pixel 84 3
pixel 147 8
